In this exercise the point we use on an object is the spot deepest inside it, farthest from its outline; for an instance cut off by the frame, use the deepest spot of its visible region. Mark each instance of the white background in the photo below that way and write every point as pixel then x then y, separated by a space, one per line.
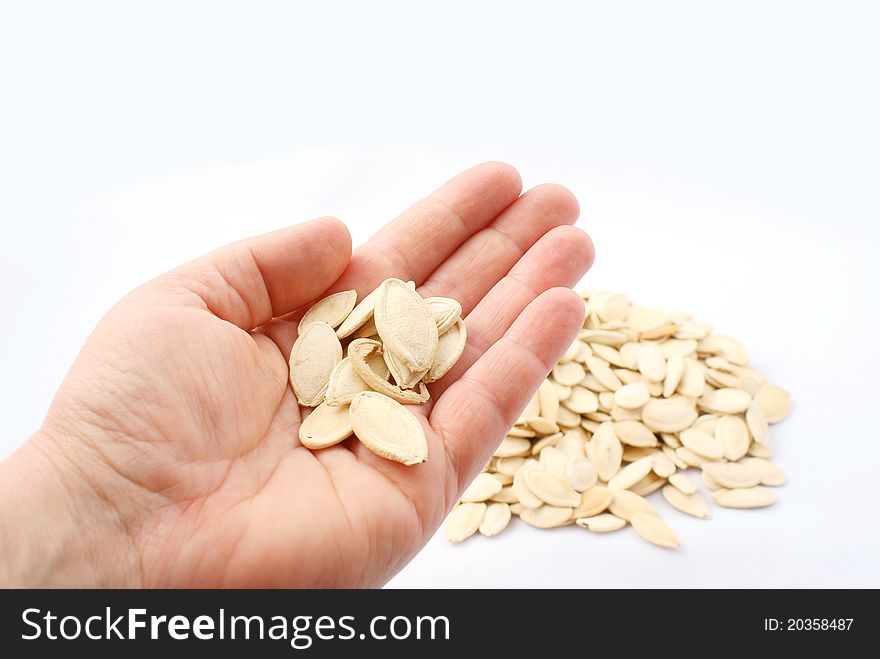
pixel 725 155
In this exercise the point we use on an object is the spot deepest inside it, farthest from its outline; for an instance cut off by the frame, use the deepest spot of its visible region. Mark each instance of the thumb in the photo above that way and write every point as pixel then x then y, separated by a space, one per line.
pixel 251 281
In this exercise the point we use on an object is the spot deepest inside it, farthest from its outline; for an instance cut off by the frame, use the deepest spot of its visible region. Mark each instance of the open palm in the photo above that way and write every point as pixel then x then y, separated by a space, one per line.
pixel 180 412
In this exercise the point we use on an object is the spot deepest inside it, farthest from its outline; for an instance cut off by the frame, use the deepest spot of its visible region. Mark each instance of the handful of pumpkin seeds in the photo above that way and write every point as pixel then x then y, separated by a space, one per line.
pixel 640 397
pixel 392 332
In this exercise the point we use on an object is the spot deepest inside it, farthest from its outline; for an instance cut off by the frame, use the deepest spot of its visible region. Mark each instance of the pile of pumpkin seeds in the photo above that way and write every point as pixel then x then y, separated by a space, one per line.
pixel 640 398
pixel 391 333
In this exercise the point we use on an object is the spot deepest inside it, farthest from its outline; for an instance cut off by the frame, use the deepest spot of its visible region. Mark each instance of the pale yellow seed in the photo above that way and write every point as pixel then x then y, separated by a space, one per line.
pixel 690 504
pixel 504 479
pixel 581 474
pixel 565 418
pixel 450 347
pixel 607 353
pixel 634 433
pixel 546 517
pixel 650 483
pixel 509 465
pixel 388 429
pixel 582 400
pixel 769 473
pixel 631 474
pixel 632 396
pixel 709 482
pixel 677 348
pixel 651 363
pixel 593 501
pixel 610 306
pixel 732 474
pixel 733 434
pixel 663 466
pixel 774 402
pixel 690 458
pixel 604 523
pixel 753 497
pixel 642 319
pixel 685 484
pixel 523 493
pixel 572 443
pixel 312 359
pixel 555 461
pixel 344 383
pixel 725 401
pixel 626 504
pixel 674 373
pixel 404 324
pixel 464 521
pixel 693 382
pixel 571 352
pixel 359 317
pixel 513 446
pixel 325 426
pixel 541 425
pixel 600 369
pixel 506 495
pixel 403 376
pixel 629 355
pixel 562 392
pixel 332 310
pixel 548 401
pixel 668 415
pixel 757 423
pixel 569 373
pixel 607 451
pixel 707 423
pixel 702 443
pixel 483 487
pixel 654 530
pixel 445 311
pixel 495 520
pixel 544 442
pixel 633 453
pixel 551 488
pixel 761 450
pixel 605 337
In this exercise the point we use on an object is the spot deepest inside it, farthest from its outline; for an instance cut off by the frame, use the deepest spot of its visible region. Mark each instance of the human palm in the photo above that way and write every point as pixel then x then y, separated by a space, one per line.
pixel 178 409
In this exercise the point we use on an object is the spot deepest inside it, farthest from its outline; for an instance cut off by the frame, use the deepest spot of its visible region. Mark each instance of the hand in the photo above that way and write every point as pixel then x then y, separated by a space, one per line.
pixel 170 457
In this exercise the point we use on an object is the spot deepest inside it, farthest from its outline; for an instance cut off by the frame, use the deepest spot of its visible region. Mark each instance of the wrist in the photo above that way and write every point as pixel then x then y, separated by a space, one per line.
pixel 59 526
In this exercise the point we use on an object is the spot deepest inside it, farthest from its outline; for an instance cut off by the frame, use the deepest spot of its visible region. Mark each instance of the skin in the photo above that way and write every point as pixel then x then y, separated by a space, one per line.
pixel 169 456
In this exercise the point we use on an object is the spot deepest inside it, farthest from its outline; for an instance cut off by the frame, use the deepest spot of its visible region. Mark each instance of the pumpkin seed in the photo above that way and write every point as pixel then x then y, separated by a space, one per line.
pixel 751 497
pixel 450 346
pixel 690 504
pixel 546 517
pixel 684 484
pixel 445 311
pixel 325 426
pixel 404 324
pixel 483 487
pixel 332 310
pixel 550 488
pixel 604 523
pixel 668 415
pixel 631 474
pixel 313 357
pixel 495 519
pixel 387 428
pixel 464 521
pixel 654 530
